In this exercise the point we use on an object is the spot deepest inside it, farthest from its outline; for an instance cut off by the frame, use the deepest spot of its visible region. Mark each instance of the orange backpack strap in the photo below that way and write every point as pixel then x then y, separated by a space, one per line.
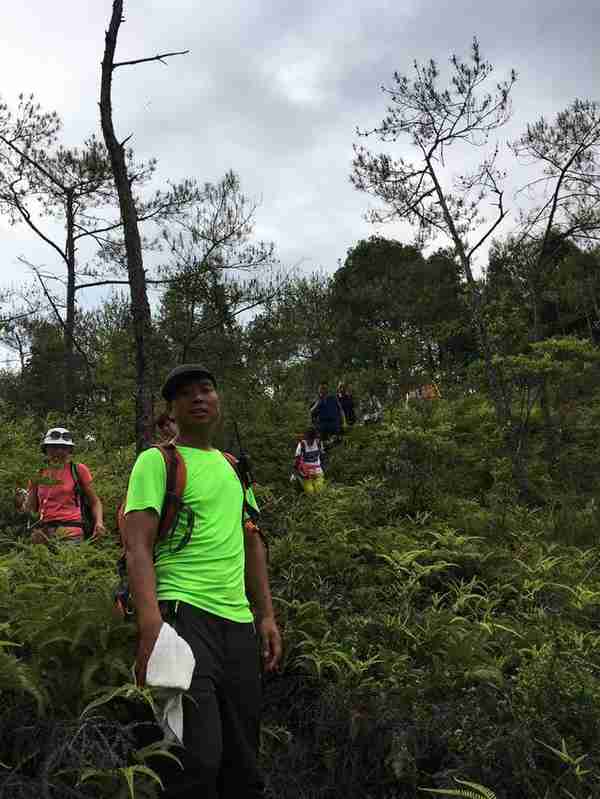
pixel 232 460
pixel 173 501
pixel 176 480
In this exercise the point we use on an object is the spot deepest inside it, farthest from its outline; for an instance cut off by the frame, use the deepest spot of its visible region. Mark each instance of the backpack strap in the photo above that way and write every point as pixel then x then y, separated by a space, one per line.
pixel 251 512
pixel 76 483
pixel 37 490
pixel 250 525
pixel 172 505
pixel 173 501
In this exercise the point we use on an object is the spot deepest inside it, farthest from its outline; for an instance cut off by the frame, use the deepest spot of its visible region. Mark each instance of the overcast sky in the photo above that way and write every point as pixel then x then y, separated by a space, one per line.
pixel 274 90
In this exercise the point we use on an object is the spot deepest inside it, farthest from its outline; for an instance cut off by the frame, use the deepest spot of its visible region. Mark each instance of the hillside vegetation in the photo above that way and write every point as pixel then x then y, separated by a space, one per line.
pixel 435 627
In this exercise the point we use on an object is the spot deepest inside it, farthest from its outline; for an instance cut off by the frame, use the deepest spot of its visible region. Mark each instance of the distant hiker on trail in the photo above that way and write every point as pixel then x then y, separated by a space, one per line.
pixel 308 463
pixel 167 431
pixel 166 428
pixel 203 585
pixel 373 410
pixel 346 400
pixel 328 414
pixel 61 492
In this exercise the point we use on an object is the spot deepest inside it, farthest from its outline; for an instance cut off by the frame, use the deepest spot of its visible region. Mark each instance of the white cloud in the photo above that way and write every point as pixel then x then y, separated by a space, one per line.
pixel 275 88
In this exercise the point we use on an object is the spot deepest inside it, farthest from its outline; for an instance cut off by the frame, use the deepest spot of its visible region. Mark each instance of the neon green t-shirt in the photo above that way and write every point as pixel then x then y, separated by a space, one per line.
pixel 208 572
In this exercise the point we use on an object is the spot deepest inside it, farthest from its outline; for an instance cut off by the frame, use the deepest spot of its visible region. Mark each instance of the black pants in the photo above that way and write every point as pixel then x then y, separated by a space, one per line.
pixel 327 429
pixel 221 720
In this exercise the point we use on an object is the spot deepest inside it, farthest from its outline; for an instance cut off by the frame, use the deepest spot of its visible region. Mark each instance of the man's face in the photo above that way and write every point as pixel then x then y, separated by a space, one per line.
pixel 323 390
pixel 196 403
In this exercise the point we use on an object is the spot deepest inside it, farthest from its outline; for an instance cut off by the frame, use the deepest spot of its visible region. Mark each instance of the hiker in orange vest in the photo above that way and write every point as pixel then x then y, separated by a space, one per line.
pixel 59 493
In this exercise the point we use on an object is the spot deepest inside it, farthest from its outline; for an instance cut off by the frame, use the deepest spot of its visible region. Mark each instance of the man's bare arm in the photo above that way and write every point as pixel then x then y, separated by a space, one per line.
pixel 257 577
pixel 259 595
pixel 141 529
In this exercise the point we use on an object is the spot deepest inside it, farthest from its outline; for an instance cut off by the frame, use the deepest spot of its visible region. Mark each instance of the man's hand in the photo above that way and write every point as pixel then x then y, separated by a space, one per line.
pixel 98 531
pixel 270 643
pixel 146 641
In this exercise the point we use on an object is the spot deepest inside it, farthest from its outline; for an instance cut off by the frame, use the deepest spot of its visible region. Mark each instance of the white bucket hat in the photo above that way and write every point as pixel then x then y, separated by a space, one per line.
pixel 58 435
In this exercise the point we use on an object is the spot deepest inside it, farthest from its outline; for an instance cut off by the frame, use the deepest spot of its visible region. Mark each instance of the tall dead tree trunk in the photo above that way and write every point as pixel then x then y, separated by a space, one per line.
pixel 69 328
pixel 140 307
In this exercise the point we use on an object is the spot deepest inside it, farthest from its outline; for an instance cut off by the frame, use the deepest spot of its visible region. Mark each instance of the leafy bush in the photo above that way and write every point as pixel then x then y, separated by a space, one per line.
pixel 434 627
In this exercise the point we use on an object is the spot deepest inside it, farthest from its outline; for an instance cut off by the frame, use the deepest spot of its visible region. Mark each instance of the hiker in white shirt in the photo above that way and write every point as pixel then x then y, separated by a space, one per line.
pixel 308 464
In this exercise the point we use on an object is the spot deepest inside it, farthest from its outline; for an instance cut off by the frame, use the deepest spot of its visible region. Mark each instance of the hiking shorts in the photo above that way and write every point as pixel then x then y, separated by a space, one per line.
pixel 221 726
pixel 61 532
pixel 313 485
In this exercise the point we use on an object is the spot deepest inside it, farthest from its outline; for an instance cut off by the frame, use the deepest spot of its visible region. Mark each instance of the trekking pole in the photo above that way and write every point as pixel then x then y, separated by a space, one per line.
pixel 244 460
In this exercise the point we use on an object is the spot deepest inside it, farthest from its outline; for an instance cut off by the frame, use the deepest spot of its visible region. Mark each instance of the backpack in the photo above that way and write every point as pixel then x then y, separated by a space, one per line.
pixel 81 500
pixel 172 509
pixel 322 456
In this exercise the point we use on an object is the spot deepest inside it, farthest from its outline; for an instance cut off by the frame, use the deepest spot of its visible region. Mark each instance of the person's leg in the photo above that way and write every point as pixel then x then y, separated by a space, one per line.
pixel 337 436
pixel 202 729
pixel 319 482
pixel 307 485
pixel 328 430
pixel 241 699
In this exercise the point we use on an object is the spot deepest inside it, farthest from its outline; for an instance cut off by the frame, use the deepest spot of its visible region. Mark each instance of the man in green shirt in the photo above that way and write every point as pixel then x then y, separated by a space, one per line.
pixel 214 590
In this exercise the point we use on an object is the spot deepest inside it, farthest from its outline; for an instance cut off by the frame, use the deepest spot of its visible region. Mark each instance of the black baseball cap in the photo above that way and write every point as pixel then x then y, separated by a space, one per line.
pixel 182 373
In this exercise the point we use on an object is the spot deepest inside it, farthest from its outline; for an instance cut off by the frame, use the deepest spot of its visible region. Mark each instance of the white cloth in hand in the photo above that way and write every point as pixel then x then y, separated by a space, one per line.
pixel 170 667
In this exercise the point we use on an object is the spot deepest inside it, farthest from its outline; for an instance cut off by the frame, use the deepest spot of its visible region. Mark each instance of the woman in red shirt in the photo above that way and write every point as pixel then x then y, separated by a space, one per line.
pixel 54 495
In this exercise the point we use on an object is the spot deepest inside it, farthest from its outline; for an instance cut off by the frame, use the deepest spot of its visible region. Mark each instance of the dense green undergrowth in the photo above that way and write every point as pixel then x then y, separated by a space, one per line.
pixel 434 627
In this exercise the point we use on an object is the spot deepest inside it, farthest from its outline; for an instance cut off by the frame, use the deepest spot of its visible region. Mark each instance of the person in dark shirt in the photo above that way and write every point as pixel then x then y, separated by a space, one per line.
pixel 328 414
pixel 346 400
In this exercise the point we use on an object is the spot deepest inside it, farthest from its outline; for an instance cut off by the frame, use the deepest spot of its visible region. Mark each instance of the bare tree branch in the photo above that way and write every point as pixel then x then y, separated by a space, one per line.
pixel 159 57
pixel 33 163
pixel 26 216
pixel 10 319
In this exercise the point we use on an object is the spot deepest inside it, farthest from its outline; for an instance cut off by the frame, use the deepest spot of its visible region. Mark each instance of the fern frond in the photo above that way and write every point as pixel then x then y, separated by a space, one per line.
pixel 18 677
pixel 473 790
pixel 156 750
pixel 127 773
pixel 129 691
